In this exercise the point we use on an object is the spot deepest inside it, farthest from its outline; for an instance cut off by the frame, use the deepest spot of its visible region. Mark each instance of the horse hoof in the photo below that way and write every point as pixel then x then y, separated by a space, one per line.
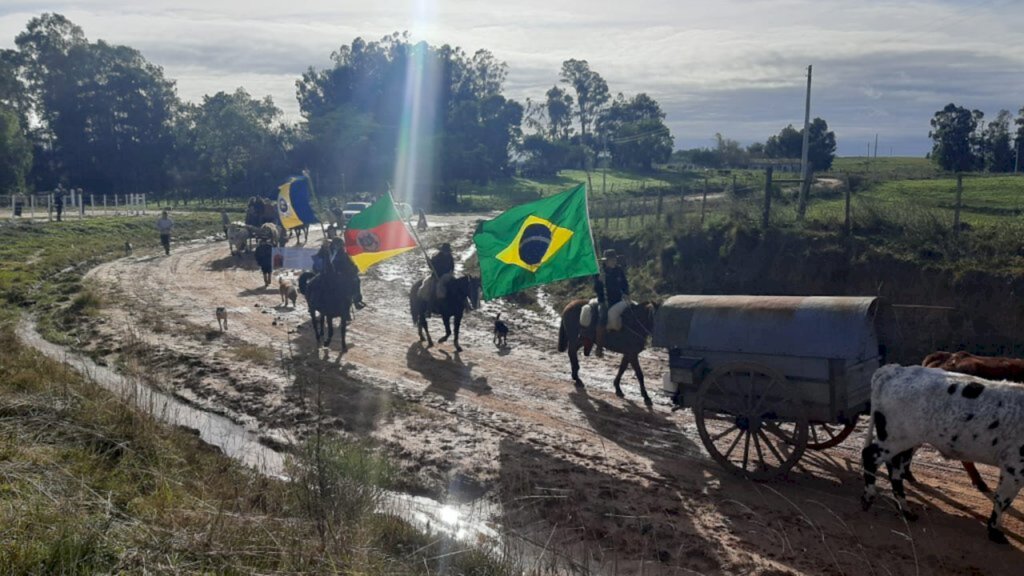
pixel 996 535
pixel 578 383
pixel 620 394
pixel 648 401
pixel 458 348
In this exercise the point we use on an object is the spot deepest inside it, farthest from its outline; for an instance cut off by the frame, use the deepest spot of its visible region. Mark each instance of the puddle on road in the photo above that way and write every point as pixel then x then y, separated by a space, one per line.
pixel 464 522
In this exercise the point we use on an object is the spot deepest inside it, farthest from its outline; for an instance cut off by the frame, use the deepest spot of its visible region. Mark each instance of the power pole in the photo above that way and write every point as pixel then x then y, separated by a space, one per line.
pixel 876 145
pixel 805 175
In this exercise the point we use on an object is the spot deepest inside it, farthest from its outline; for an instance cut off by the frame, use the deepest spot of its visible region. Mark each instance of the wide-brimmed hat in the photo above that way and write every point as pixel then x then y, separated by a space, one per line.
pixel 610 254
pixel 446 247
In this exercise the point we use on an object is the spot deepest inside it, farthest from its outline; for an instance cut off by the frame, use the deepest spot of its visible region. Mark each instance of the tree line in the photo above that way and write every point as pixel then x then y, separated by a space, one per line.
pixel 963 142
pixel 786 145
pixel 99 116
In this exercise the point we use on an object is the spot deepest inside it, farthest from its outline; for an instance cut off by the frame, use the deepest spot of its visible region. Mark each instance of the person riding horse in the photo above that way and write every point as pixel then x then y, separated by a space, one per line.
pixel 612 297
pixel 333 261
pixel 442 266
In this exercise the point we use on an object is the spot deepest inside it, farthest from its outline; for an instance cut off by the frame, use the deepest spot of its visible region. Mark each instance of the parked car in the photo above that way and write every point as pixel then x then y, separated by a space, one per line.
pixel 353 208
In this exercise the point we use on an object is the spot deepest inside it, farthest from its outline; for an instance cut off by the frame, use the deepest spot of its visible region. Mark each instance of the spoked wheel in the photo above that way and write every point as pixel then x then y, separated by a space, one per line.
pixel 824 435
pixel 749 422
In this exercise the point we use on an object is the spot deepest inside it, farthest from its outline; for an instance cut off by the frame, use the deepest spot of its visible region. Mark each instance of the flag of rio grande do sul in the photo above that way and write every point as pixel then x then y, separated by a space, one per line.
pixel 376 234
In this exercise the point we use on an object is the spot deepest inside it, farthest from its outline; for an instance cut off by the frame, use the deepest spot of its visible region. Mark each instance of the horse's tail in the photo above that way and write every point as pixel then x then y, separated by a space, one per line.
pixel 563 338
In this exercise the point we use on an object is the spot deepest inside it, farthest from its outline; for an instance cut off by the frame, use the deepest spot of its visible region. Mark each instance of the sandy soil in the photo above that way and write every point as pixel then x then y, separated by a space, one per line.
pixel 601 482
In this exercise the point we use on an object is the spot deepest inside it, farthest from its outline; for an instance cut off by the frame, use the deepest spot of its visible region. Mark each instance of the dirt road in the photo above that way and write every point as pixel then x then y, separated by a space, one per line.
pixel 607 482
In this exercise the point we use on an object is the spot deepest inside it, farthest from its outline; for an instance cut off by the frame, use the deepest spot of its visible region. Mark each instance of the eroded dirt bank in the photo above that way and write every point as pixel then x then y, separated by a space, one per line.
pixel 616 486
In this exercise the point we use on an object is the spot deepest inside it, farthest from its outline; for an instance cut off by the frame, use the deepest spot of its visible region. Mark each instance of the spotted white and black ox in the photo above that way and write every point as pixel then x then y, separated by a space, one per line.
pixel 963 417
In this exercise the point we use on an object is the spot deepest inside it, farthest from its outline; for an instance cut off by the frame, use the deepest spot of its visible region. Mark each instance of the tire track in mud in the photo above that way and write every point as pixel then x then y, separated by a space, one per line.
pixel 509 423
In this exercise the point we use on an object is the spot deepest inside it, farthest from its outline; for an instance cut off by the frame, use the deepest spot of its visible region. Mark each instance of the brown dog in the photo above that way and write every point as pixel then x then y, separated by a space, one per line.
pixel 222 318
pixel 287 290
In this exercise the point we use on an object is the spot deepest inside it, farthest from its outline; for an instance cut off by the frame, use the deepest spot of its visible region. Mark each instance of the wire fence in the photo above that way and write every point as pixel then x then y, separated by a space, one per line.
pixel 53 205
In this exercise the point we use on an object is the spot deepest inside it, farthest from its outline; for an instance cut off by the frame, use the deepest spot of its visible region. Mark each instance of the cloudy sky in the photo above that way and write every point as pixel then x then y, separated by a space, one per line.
pixel 736 67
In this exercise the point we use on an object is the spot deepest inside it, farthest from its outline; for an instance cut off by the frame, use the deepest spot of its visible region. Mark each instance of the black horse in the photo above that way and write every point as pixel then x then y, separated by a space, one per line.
pixel 459 292
pixel 331 295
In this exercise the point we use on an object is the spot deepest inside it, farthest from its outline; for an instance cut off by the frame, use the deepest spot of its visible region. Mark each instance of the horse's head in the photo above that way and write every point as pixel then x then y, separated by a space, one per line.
pixel 645 315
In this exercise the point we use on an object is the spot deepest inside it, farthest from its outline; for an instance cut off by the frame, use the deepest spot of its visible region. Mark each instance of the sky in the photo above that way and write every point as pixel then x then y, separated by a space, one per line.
pixel 716 66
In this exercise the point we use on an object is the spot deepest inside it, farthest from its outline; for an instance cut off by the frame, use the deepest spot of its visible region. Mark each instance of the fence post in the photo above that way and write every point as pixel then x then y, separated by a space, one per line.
pixel 848 223
pixel 618 221
pixel 959 203
pixel 607 206
pixel 766 217
pixel 704 201
pixel 659 204
pixel 734 185
pixel 32 206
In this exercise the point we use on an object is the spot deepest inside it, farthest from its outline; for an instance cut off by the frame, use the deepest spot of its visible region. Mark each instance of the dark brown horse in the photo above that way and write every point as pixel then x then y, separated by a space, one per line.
pixel 637 324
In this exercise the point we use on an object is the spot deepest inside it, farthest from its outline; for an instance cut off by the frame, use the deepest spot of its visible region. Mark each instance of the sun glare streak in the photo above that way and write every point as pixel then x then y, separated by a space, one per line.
pixel 415 155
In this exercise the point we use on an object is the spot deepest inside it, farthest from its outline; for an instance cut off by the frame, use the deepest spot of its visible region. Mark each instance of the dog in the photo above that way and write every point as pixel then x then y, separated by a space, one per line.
pixel 127 248
pixel 222 318
pixel 287 290
pixel 500 331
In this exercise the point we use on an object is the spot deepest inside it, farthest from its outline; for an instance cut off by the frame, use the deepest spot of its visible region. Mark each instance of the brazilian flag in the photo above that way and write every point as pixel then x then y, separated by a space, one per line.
pixel 536 243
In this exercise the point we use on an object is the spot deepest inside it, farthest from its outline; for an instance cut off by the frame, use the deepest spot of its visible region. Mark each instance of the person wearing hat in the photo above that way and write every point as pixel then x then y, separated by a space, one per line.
pixel 612 289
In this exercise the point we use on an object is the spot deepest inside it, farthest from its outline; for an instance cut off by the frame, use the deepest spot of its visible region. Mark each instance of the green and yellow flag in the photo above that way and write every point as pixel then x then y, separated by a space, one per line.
pixel 536 243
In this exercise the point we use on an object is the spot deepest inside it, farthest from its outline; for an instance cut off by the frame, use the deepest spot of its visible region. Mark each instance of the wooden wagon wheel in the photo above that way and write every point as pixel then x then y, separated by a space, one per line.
pixel 749 421
pixel 823 435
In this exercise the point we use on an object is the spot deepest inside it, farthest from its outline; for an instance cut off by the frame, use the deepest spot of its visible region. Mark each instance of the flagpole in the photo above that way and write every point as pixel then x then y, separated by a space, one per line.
pixel 414 235
pixel 318 203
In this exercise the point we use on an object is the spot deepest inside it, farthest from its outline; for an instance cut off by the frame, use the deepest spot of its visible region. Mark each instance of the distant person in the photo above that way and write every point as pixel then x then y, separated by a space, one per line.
pixel 58 202
pixel 165 225
pixel 421 224
pixel 332 231
pixel 224 220
pixel 81 201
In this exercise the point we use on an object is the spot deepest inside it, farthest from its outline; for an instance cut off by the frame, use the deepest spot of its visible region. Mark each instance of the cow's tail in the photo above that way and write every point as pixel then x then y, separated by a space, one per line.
pixel 563 337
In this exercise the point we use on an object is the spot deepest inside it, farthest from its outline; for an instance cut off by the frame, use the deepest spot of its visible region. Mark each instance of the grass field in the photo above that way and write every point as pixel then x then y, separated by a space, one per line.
pixel 888 167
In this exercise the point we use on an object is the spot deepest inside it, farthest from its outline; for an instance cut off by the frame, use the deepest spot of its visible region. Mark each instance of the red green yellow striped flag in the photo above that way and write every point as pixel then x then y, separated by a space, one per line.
pixel 376 234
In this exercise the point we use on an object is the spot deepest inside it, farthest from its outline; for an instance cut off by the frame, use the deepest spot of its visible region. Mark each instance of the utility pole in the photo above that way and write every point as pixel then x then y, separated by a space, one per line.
pixel 876 145
pixel 805 175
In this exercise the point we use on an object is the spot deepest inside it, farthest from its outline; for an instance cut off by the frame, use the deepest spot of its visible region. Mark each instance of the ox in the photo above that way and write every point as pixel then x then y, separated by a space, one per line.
pixel 962 416
pixel 987 367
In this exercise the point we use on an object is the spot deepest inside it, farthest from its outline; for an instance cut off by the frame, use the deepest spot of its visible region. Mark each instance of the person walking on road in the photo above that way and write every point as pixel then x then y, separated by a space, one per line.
pixel 165 225
pixel 58 202
pixel 225 221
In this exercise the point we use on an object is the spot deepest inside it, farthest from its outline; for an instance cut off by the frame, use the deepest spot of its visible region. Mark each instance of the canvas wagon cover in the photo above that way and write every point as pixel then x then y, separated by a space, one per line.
pixel 804 326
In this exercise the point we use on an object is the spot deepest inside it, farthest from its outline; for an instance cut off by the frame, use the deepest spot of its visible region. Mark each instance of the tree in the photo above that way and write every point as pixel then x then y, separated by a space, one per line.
pixel 105 112
pixel 591 92
pixel 233 144
pixel 998 145
pixel 955 139
pixel 821 145
pixel 15 152
pixel 789 142
pixel 559 111
pixel 635 132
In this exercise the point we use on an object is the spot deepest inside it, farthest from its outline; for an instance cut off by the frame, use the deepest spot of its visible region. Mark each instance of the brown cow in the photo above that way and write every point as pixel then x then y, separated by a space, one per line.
pixel 987 367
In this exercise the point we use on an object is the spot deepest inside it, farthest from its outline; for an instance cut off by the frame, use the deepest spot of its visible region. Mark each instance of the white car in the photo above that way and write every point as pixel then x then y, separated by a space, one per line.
pixel 353 208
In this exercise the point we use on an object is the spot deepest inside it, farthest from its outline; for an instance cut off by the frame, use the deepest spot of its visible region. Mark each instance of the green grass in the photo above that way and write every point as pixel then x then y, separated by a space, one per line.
pixel 890 167
pixel 43 262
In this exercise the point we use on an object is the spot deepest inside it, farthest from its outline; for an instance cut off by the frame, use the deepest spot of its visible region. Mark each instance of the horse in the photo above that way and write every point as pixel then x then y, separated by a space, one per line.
pixel 637 325
pixel 458 292
pixel 330 295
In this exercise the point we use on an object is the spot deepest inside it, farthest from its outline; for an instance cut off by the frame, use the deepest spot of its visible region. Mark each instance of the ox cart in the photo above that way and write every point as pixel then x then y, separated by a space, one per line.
pixel 767 376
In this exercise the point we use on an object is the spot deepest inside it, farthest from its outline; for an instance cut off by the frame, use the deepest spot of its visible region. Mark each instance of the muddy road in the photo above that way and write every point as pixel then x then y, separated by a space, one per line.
pixel 604 484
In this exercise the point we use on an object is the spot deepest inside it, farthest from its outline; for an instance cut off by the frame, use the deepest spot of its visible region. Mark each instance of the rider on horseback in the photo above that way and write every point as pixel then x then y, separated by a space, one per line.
pixel 442 266
pixel 332 259
pixel 612 297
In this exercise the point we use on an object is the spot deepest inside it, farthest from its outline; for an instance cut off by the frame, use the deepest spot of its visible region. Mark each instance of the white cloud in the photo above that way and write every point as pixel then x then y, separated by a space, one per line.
pixel 730 66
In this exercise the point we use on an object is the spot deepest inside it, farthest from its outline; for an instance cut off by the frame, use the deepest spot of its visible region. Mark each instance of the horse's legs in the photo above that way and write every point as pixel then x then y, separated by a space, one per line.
pixel 458 324
pixel 425 329
pixel 316 326
pixel 635 362
pixel 343 326
pixel 618 377
pixel 447 329
pixel 330 331
pixel 574 361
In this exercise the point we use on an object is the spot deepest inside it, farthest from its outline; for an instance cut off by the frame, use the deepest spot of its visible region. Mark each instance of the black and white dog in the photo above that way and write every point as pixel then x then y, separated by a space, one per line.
pixel 500 331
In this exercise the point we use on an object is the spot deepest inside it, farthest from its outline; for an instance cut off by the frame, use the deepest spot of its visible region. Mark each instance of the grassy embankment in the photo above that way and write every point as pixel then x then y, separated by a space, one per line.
pixel 89 485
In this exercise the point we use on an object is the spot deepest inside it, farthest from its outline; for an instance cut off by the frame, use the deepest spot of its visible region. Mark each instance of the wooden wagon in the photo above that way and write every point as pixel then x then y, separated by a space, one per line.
pixel 769 376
